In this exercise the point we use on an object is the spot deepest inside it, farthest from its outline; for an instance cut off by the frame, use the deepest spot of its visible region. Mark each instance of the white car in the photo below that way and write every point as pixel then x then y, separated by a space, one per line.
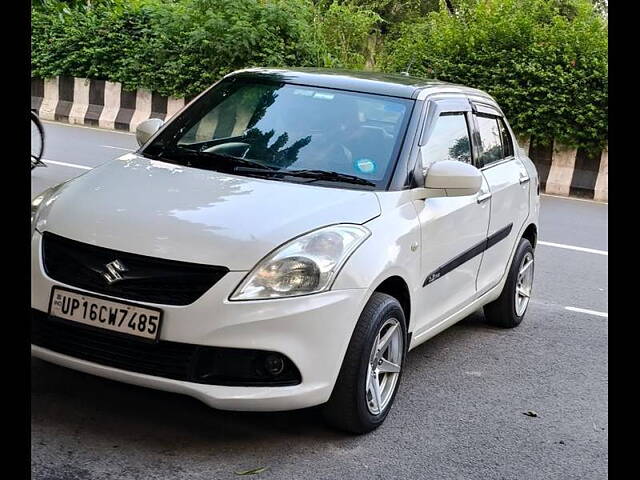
pixel 285 239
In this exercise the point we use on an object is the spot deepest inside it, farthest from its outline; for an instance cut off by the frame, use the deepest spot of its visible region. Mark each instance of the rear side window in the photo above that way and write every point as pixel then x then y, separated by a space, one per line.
pixel 491 142
pixel 495 138
pixel 448 140
pixel 507 144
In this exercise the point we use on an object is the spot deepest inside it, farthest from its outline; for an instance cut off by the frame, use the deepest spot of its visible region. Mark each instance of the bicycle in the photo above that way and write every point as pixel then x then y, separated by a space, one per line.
pixel 37 141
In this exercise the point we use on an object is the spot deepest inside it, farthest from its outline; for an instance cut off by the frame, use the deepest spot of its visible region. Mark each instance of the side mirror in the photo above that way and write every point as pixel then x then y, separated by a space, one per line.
pixel 453 178
pixel 146 129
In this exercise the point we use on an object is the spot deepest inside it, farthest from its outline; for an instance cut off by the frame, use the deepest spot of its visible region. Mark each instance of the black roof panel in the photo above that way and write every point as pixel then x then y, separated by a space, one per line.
pixel 369 82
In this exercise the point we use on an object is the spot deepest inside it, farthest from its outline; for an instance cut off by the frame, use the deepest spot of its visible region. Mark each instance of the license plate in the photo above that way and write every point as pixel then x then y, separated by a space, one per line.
pixel 117 316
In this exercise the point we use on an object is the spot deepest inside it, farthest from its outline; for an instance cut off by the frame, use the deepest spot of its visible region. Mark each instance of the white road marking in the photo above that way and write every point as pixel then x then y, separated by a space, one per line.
pixel 574 199
pixel 63 124
pixel 118 148
pixel 542 303
pixel 573 247
pixel 589 312
pixel 64 164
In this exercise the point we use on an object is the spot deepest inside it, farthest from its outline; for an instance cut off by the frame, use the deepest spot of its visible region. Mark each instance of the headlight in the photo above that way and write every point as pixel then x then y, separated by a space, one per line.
pixel 307 264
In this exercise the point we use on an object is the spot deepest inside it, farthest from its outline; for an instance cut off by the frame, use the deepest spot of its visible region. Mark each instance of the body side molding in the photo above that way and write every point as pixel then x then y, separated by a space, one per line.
pixel 455 262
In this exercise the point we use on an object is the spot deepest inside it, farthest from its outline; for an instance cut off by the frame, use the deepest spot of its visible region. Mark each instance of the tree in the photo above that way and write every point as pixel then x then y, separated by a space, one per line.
pixel 545 62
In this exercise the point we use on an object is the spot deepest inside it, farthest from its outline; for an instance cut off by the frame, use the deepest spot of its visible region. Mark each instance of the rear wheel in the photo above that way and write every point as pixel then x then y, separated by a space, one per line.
pixel 508 310
pixel 371 370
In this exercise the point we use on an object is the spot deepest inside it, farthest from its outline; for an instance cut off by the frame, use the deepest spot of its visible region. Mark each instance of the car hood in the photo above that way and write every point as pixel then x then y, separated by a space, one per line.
pixel 154 208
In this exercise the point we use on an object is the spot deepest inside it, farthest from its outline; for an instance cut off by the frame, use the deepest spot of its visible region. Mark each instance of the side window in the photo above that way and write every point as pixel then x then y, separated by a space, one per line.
pixel 449 140
pixel 507 144
pixel 490 137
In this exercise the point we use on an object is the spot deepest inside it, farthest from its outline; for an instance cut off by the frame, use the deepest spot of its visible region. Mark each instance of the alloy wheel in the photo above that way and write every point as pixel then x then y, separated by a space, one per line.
pixel 524 282
pixel 385 363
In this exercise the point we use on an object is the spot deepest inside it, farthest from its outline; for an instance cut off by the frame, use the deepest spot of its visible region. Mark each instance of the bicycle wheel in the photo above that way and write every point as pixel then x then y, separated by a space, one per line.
pixel 37 141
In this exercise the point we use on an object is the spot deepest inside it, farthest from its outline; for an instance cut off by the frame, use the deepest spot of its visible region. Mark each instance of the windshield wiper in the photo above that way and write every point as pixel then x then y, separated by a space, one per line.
pixel 331 175
pixel 243 165
pixel 193 155
pixel 313 174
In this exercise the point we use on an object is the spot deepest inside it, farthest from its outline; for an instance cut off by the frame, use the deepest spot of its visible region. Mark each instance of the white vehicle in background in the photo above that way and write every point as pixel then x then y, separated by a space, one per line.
pixel 286 239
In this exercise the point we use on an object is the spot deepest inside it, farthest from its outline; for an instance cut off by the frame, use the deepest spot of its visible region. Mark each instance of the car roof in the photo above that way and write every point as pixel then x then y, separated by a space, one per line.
pixel 391 84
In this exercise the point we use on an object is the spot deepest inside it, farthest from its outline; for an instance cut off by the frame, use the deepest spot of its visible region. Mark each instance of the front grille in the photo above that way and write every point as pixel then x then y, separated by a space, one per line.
pixel 146 279
pixel 177 361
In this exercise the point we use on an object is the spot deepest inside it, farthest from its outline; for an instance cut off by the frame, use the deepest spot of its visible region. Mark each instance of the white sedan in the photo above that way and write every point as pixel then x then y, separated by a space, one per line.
pixel 286 239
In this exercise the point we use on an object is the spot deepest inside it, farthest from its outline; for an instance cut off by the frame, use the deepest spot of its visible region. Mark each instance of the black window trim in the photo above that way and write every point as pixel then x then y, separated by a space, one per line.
pixel 465 114
pixel 447 113
pixel 478 140
pixel 503 120
pixel 423 114
pixel 437 106
pixel 475 145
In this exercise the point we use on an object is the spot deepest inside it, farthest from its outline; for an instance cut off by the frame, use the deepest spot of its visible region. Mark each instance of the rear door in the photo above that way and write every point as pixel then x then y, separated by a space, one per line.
pixel 508 183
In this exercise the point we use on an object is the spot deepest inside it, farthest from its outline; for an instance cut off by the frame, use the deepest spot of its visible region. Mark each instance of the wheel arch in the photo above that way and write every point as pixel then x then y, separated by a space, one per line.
pixel 397 287
pixel 531 234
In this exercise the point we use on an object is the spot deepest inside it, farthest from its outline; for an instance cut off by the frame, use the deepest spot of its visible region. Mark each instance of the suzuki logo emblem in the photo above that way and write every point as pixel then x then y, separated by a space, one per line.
pixel 112 275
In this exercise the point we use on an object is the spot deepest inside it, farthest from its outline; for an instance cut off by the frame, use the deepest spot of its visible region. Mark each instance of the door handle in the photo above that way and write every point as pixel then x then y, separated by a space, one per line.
pixel 524 179
pixel 484 197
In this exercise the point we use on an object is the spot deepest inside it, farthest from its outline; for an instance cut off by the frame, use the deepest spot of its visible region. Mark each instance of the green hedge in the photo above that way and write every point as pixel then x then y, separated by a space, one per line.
pixel 174 48
pixel 181 47
pixel 545 61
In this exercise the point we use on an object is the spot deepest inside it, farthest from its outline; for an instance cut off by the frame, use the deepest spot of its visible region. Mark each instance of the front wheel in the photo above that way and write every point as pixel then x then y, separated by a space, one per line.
pixel 508 310
pixel 371 370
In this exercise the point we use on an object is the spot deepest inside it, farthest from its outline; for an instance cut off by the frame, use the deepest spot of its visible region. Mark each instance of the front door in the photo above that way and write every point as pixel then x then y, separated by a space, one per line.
pixel 453 229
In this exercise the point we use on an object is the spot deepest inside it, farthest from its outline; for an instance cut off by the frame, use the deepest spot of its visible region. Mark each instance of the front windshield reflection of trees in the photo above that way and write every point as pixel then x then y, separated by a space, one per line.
pixel 296 127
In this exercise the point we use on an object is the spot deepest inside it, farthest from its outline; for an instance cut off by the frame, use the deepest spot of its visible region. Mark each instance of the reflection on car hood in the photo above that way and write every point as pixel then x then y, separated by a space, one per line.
pixel 158 209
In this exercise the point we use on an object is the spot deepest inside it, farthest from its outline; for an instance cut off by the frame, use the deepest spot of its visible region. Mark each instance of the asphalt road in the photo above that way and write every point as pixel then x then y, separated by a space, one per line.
pixel 459 413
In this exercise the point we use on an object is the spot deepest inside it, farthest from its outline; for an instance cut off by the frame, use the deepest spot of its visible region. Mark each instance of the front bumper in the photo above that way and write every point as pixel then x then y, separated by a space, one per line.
pixel 313 331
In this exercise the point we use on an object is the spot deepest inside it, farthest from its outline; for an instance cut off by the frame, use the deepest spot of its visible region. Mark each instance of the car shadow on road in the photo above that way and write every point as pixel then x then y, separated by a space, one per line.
pixel 63 399
pixel 76 404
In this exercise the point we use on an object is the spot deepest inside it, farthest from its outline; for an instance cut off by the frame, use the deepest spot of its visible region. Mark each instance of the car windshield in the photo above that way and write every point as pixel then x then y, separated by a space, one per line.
pixel 288 132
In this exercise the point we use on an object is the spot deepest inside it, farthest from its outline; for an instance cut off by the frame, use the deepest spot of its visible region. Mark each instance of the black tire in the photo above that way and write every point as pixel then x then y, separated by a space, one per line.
pixel 502 311
pixel 347 408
